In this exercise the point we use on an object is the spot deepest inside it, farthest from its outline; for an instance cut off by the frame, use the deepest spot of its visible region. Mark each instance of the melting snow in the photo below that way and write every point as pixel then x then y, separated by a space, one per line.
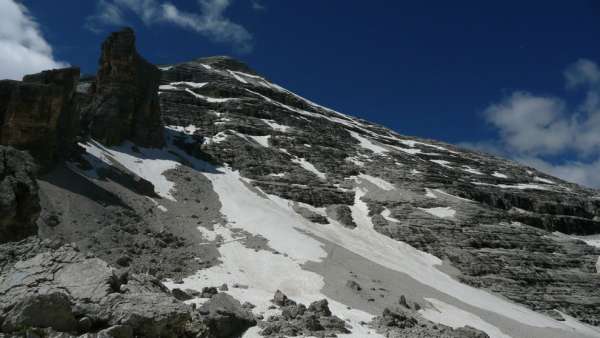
pixel 190 84
pixel 386 213
pixel 237 77
pixel 167 87
pixel 276 126
pixel 209 99
pixel 543 180
pixel 521 186
pixel 499 175
pixel 442 212
pixel 149 163
pixel 412 144
pixel 454 317
pixel 429 193
pixel 472 170
pixel 309 166
pixel 274 219
pixel 367 144
pixel 442 163
pixel 262 140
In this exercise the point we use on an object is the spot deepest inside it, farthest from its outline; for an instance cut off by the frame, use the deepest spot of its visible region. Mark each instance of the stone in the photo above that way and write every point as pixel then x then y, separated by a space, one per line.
pixel 353 285
pixel 180 294
pixel 225 316
pixel 320 307
pixel 342 214
pixel 125 96
pixel 281 299
pixel 470 332
pixel 209 292
pixel 19 200
pixel 44 310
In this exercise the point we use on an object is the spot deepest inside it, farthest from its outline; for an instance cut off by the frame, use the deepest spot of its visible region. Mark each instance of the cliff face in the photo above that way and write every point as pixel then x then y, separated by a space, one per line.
pixel 38 114
pixel 19 201
pixel 125 103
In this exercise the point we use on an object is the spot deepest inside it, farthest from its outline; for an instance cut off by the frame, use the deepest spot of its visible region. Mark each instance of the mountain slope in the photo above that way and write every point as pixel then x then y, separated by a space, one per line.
pixel 263 190
pixel 286 194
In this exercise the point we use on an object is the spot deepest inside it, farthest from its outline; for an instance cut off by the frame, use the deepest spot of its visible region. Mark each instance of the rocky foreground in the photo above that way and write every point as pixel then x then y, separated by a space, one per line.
pixel 201 200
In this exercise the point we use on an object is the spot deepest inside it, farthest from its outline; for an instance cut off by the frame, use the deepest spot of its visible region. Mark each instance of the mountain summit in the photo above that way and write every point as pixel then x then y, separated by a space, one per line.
pixel 256 212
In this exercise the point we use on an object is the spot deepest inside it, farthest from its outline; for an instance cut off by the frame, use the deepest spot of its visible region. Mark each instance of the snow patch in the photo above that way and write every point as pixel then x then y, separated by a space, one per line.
pixel 441 212
pixel 386 213
pixel 429 193
pixel 367 144
pixel 149 163
pixel 472 170
pixel 543 180
pixel 499 175
pixel 262 140
pixel 443 163
pixel 520 186
pixel 309 166
pixel 276 126
pixel 209 99
pixel 454 317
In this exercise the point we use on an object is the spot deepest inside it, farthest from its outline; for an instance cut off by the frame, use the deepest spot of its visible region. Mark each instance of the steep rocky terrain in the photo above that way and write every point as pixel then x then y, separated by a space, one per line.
pixel 202 200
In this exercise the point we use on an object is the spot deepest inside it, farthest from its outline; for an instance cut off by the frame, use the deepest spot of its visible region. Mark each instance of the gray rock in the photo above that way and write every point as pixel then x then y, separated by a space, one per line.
pixel 125 95
pixel 44 310
pixel 117 331
pixel 19 200
pixel 281 299
pixel 353 285
pixel 180 294
pixel 320 307
pixel 225 316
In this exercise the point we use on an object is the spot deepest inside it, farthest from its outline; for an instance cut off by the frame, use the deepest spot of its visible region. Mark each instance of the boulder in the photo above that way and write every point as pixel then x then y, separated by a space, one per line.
pixel 281 299
pixel 225 316
pixel 469 332
pixel 125 95
pixel 44 310
pixel 320 307
pixel 19 200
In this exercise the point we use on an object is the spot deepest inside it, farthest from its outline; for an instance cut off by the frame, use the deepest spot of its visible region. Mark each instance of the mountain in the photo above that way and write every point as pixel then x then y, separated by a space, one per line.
pixel 211 202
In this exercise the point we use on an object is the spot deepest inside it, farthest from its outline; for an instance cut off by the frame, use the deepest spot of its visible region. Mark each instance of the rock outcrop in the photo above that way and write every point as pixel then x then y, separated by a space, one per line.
pixel 71 292
pixel 39 113
pixel 125 95
pixel 19 201
pixel 298 320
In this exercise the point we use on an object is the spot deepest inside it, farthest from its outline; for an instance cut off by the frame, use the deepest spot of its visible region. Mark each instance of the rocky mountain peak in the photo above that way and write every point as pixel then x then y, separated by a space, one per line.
pixel 125 103
pixel 224 62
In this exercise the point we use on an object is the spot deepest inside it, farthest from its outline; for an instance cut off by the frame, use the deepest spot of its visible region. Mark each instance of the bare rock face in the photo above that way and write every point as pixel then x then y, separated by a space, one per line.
pixel 19 201
pixel 68 291
pixel 125 103
pixel 38 114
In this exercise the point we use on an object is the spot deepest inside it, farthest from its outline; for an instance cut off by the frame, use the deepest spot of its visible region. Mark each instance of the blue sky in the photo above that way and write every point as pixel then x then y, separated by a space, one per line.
pixel 517 78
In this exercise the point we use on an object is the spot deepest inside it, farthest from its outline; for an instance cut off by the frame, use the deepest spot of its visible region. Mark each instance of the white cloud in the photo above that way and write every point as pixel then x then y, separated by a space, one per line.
pixel 210 22
pixel 532 127
pixel 23 49
pixel 531 124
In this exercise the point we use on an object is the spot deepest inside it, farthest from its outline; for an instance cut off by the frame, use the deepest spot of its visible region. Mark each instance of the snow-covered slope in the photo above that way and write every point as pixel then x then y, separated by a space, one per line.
pixel 308 200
